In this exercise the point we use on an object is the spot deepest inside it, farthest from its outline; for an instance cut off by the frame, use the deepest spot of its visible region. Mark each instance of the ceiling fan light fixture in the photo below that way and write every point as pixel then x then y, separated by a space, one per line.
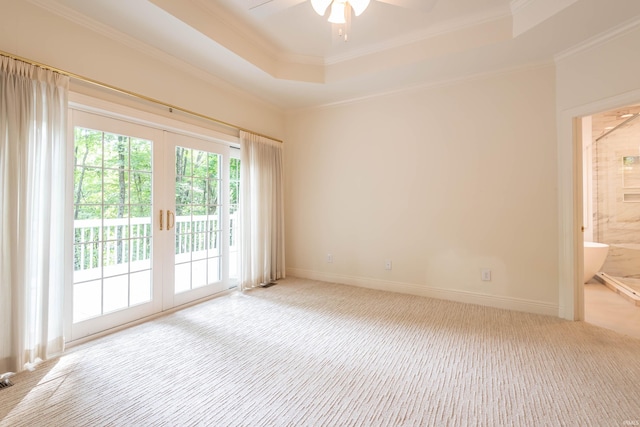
pixel 359 6
pixel 320 6
pixel 337 12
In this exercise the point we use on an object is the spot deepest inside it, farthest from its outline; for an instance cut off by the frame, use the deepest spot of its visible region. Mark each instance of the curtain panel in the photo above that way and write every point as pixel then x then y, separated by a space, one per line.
pixel 33 121
pixel 261 210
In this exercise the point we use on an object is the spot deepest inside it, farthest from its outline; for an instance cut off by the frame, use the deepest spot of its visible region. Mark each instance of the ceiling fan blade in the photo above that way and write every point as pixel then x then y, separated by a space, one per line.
pixel 421 5
pixel 263 8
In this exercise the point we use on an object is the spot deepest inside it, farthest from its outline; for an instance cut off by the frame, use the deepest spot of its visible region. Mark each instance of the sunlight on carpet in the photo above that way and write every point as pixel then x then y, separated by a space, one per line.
pixel 307 353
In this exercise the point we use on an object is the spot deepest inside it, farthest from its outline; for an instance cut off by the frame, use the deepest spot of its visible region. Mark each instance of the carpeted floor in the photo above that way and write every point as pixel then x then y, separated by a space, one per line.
pixel 306 353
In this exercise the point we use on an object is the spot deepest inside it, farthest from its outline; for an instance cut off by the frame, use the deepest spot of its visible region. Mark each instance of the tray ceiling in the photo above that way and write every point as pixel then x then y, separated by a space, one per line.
pixel 287 55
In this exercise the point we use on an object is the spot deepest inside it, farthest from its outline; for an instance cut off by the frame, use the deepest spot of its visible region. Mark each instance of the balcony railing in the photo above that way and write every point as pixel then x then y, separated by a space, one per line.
pixel 114 243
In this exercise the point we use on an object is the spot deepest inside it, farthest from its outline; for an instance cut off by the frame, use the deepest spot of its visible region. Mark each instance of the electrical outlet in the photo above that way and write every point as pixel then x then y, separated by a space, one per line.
pixel 387 264
pixel 329 258
pixel 486 275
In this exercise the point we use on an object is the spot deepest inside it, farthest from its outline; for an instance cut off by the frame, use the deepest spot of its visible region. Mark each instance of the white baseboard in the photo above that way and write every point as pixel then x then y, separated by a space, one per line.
pixel 507 303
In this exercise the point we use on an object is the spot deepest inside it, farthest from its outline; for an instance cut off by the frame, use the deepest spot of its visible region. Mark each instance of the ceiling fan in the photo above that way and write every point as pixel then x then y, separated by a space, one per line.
pixel 268 7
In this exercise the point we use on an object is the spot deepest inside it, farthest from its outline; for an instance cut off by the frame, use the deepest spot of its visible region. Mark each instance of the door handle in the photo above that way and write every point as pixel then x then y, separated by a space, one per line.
pixel 170 224
pixel 161 219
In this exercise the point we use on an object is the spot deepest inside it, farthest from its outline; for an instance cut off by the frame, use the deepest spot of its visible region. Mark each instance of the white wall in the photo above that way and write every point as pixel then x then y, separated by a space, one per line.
pixel 442 181
pixel 601 76
pixel 33 33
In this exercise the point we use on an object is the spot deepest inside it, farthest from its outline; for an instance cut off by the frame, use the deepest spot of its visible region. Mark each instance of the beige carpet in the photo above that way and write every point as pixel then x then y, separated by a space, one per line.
pixel 306 353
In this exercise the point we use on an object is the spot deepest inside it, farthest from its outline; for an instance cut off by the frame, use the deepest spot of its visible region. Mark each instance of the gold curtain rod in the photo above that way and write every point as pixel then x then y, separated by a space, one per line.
pixel 133 94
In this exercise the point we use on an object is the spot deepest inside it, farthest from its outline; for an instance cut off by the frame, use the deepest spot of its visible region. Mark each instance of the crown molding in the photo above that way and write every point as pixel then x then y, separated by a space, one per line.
pixel 300 59
pixel 80 19
pixel 223 29
pixel 152 52
pixel 528 14
pixel 238 27
pixel 448 27
pixel 247 44
pixel 246 32
pixel 426 86
pixel 517 5
pixel 599 40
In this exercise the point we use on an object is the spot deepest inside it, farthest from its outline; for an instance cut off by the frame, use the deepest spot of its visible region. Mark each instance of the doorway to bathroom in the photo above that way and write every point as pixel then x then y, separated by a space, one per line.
pixel 611 208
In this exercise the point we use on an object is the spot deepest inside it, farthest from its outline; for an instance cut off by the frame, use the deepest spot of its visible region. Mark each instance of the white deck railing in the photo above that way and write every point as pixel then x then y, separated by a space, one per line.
pixel 102 243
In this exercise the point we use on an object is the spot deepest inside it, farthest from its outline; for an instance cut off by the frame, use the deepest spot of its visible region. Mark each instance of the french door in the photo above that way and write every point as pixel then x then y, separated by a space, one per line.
pixel 153 226
pixel 198 219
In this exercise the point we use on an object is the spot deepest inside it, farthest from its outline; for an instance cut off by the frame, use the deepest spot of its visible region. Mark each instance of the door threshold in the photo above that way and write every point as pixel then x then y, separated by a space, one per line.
pixel 619 287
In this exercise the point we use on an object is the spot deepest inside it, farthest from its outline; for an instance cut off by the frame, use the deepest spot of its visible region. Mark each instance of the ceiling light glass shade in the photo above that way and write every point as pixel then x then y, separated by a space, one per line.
pixel 359 6
pixel 337 12
pixel 320 6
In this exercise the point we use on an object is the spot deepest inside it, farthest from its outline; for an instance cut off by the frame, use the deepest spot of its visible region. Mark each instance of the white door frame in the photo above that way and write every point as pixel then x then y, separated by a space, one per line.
pixel 570 203
pixel 113 110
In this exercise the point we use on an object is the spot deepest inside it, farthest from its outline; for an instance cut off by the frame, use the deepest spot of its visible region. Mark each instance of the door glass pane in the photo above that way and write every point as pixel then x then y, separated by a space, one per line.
pixel 197 223
pixel 115 293
pixel 140 287
pixel 90 293
pixel 112 222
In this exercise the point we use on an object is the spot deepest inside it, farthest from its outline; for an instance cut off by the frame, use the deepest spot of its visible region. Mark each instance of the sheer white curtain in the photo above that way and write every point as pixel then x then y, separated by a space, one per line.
pixel 261 210
pixel 33 110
